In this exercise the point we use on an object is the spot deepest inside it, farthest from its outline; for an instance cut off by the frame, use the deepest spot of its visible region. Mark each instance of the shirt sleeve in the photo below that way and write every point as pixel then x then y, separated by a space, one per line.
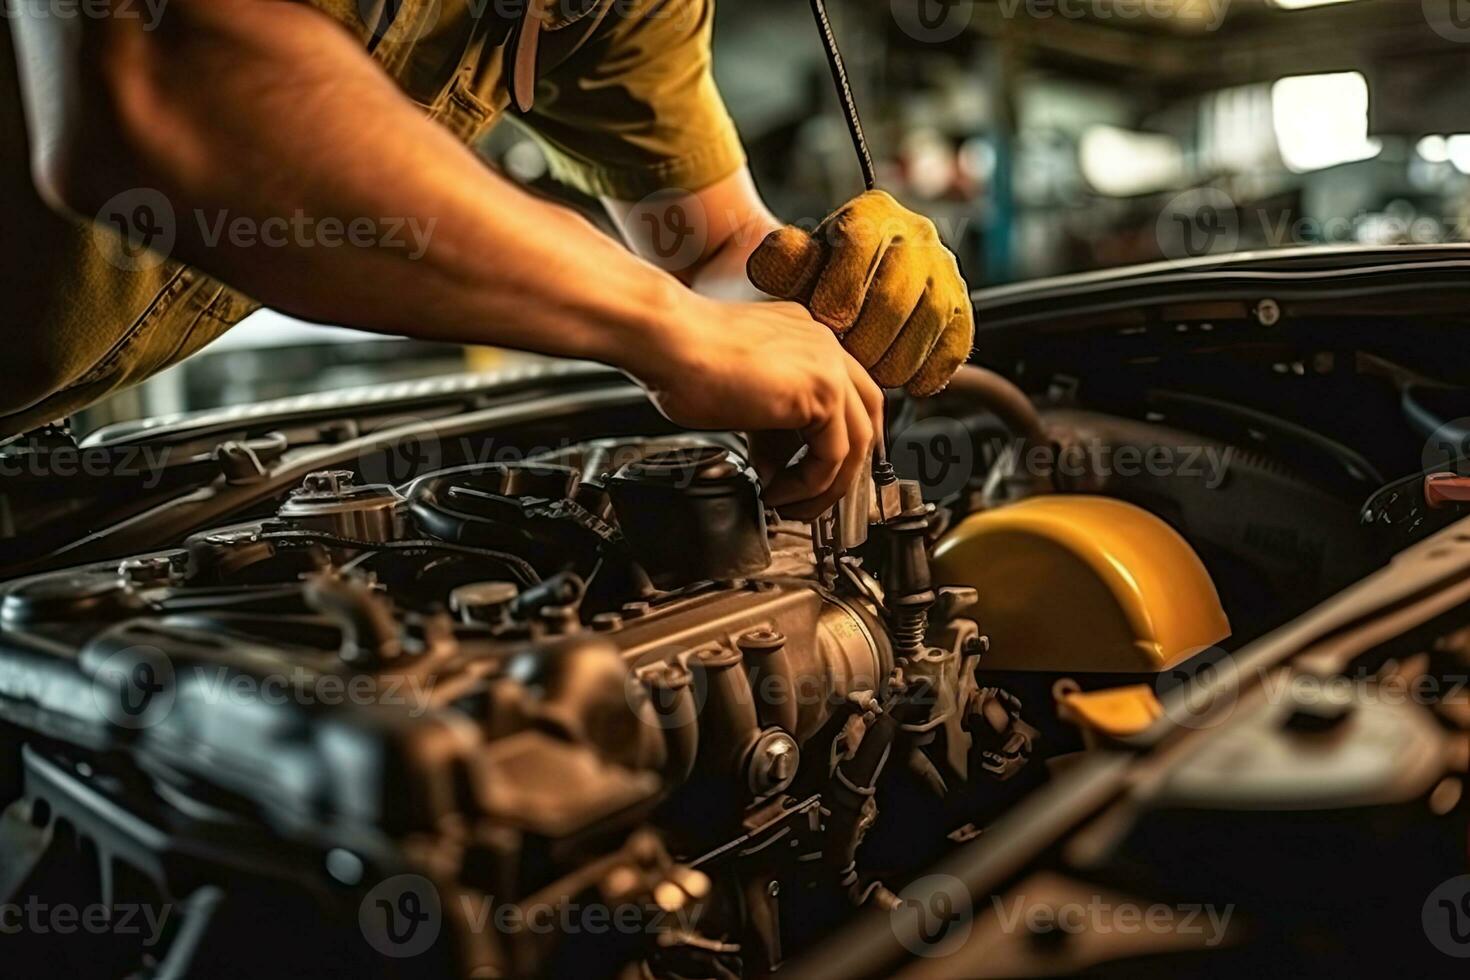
pixel 635 109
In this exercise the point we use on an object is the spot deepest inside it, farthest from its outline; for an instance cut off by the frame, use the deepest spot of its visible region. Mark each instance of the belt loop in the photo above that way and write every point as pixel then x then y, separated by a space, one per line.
pixel 523 50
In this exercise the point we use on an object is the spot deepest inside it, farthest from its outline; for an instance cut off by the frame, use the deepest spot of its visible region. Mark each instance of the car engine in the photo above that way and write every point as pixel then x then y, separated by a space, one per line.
pixel 605 677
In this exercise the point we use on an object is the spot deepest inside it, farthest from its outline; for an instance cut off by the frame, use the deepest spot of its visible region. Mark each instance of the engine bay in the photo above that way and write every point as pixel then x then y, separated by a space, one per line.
pixel 523 682
pixel 607 653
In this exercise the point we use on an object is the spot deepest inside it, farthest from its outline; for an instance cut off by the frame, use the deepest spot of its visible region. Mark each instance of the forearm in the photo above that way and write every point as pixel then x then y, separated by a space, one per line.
pixel 728 220
pixel 247 113
pixel 721 274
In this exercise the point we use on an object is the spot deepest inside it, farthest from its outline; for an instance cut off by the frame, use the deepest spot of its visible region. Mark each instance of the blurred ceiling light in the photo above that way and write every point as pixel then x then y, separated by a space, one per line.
pixel 1322 120
pixel 977 159
pixel 1121 162
pixel 1434 148
pixel 1302 4
pixel 526 162
pixel 929 163
pixel 1457 151
pixel 1202 15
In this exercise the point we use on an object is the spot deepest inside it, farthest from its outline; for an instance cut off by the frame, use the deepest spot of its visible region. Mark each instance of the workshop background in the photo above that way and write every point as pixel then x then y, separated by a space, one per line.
pixel 1042 136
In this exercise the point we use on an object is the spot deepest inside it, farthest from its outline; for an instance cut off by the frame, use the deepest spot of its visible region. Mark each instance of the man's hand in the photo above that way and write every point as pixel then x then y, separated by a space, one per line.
pixel 877 274
pixel 765 367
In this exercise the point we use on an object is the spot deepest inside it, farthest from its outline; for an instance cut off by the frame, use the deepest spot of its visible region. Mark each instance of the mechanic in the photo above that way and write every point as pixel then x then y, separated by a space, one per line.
pixel 226 134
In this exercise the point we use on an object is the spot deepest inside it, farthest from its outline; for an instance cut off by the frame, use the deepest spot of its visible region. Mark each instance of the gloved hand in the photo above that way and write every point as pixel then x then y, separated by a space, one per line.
pixel 878 275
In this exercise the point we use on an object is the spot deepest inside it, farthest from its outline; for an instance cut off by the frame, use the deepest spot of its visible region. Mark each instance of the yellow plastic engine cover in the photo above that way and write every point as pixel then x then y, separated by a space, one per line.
pixel 1081 584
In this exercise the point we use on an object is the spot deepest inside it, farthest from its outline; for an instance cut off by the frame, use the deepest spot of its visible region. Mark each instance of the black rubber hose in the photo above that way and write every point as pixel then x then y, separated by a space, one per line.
pixel 1003 399
pixel 369 632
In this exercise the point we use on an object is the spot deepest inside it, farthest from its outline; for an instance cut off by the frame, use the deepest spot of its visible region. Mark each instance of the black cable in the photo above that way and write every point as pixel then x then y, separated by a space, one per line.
pixel 844 93
pixel 882 470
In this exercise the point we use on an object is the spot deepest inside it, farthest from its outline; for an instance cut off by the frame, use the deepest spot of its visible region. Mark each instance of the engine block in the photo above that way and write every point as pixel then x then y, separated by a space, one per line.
pixel 606 679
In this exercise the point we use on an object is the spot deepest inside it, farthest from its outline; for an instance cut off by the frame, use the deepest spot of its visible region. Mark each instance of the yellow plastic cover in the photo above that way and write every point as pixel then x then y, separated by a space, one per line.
pixel 1082 584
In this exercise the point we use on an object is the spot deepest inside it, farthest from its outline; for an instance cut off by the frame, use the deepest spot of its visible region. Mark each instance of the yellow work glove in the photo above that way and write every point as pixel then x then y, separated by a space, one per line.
pixel 878 275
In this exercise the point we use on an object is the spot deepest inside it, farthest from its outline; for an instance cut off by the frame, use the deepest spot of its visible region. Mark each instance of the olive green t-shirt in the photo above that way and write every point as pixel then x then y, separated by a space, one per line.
pixel 624 105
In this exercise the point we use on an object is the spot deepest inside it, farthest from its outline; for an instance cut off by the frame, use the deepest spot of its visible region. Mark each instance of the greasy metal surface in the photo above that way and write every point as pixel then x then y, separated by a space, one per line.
pixel 832 651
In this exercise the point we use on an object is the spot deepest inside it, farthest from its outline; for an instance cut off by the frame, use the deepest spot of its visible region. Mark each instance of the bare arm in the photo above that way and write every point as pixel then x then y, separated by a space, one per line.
pixel 730 220
pixel 262 110
pixel 257 110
